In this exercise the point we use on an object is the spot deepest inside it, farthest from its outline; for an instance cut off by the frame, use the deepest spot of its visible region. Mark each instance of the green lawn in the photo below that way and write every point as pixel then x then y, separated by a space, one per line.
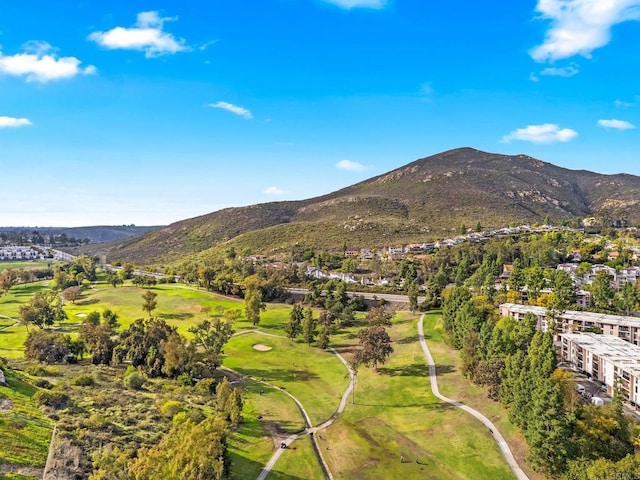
pixel 396 415
pixel 29 265
pixel 315 377
pixel 25 431
pixel 452 383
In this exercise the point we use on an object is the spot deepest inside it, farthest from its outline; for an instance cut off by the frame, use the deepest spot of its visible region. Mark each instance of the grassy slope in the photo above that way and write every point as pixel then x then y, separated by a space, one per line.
pixel 25 431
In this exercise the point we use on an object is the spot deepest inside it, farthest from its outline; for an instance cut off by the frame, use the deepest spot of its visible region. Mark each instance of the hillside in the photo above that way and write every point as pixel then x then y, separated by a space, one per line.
pixel 424 199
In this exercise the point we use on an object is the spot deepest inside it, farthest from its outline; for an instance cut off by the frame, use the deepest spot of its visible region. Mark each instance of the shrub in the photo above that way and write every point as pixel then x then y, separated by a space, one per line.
pixel 171 408
pixel 134 380
pixel 43 383
pixel 185 379
pixel 84 381
pixel 51 399
pixel 42 371
pixel 206 386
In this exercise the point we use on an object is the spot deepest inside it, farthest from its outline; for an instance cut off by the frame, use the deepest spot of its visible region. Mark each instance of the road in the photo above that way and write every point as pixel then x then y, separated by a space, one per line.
pixel 506 452
pixel 389 297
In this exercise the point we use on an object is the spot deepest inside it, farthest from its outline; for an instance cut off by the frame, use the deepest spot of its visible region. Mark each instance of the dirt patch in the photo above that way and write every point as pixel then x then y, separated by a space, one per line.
pixel 5 405
pixel 261 348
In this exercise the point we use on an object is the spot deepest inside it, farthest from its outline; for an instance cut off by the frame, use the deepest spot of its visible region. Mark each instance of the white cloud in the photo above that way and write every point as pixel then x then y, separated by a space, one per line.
pixel 147 35
pixel 349 4
pixel 617 124
pixel 568 71
pixel 580 26
pixel 230 107
pixel 12 122
pixel 273 191
pixel 534 77
pixel 350 166
pixel 545 133
pixel 39 63
pixel 621 103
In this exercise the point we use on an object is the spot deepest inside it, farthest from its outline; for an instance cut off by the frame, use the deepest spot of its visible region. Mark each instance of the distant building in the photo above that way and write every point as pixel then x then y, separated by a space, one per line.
pixel 610 360
pixel 15 253
pixel 623 327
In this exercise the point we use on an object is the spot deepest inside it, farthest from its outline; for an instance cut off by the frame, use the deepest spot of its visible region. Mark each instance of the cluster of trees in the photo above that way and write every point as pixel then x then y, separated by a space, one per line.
pixel 518 366
pixel 374 340
pixel 12 276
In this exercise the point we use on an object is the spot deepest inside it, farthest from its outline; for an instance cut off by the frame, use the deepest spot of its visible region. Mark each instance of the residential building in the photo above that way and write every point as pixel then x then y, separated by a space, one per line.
pixel 610 360
pixel 624 327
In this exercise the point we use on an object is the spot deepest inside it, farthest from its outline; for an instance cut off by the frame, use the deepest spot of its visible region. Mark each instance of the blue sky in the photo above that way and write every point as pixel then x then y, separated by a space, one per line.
pixel 152 112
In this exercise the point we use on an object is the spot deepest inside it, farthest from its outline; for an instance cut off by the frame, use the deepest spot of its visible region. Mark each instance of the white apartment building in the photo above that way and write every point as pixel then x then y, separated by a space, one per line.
pixel 608 359
pixel 15 253
pixel 624 327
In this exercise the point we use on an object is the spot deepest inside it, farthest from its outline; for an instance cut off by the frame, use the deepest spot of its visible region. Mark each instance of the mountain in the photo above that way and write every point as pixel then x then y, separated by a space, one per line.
pixel 425 199
pixel 100 233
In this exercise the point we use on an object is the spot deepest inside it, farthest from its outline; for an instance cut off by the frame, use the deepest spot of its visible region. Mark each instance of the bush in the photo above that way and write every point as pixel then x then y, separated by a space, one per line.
pixel 171 408
pixel 51 399
pixel 84 381
pixel 43 383
pixel 185 379
pixel 206 386
pixel 134 380
pixel 42 371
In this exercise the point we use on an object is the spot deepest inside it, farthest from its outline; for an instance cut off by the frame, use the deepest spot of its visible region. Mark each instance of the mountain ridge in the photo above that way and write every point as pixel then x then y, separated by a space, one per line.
pixel 422 199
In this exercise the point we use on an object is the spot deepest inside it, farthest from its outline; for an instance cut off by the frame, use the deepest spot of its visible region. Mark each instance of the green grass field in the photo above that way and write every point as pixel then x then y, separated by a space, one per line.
pixel 454 385
pixel 25 431
pixel 394 413
pixel 28 265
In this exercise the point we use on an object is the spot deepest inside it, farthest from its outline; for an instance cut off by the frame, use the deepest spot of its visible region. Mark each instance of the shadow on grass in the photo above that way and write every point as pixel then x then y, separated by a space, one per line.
pixel 407 340
pixel 275 376
pixel 90 301
pixel 444 369
pixel 427 406
pixel 281 428
pixel 415 370
pixel 242 467
pixel 176 316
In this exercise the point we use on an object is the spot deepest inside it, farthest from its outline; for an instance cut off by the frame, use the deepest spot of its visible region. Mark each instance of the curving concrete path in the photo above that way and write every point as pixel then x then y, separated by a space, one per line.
pixel 506 452
pixel 310 429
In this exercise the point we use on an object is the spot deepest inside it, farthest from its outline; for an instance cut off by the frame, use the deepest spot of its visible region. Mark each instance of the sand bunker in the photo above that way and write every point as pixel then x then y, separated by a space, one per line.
pixel 262 348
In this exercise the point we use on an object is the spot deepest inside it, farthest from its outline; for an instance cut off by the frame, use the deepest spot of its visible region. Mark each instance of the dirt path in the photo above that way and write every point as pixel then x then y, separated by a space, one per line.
pixel 506 452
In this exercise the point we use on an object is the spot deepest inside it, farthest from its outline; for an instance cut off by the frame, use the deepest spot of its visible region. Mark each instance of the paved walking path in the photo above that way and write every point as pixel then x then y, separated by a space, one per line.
pixel 506 452
pixel 310 429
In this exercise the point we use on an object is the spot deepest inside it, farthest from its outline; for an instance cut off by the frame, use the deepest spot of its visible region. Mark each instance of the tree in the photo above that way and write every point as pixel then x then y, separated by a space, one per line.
pixel 535 282
pixel 141 344
pixel 253 304
pixel 412 294
pixel 294 327
pixel 325 322
pixel 376 346
pixel 98 341
pixel 71 294
pixel 45 346
pixel 487 373
pixel 150 302
pixel 628 298
pixel 548 430
pixel 114 279
pixel 41 310
pixel 110 318
pixel 189 451
pixel 379 316
pixel 517 279
pixel 601 290
pixel 211 337
pixel 309 327
pixel 8 278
